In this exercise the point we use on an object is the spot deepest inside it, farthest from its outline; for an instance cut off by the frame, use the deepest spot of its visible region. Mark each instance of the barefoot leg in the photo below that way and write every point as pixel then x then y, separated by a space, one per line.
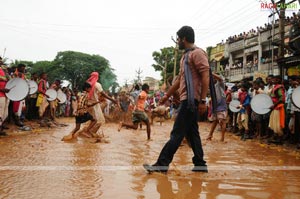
pixel 120 126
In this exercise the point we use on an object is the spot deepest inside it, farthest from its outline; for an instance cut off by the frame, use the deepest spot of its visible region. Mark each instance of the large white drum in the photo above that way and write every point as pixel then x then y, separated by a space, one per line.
pixel 233 106
pixel 18 89
pixel 52 94
pixel 296 97
pixel 261 104
pixel 33 87
pixel 61 96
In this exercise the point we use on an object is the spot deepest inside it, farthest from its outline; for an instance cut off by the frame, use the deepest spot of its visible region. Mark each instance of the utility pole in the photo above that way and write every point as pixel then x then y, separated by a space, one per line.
pixel 165 72
pixel 281 14
pixel 281 33
pixel 175 58
pixel 272 53
pixel 175 61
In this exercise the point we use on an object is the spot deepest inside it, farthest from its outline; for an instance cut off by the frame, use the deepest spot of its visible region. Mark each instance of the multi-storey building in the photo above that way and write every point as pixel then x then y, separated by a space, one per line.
pixel 252 54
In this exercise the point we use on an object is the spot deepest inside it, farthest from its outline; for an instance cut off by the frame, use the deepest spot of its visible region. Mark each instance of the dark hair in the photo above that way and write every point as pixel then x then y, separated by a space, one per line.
pixel 186 32
pixel 234 88
pixel 145 86
pixel 43 73
pixel 245 86
pixel 21 65
pixel 86 86
pixel 293 77
pixel 277 77
pixel 137 87
pixel 259 80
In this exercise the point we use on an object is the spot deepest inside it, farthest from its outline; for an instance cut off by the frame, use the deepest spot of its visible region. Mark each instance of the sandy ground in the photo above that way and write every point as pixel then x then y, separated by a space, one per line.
pixel 37 164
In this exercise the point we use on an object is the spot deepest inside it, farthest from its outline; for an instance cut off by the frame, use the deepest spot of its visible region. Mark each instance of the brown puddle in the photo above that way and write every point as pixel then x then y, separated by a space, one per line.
pixel 39 165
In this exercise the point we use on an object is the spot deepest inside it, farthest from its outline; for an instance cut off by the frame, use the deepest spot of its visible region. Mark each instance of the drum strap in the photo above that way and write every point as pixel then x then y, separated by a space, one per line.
pixel 189 82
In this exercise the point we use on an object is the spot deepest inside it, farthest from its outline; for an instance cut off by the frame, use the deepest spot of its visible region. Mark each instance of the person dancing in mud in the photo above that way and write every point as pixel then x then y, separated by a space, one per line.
pixel 139 114
pixel 94 93
pixel 82 114
pixel 193 82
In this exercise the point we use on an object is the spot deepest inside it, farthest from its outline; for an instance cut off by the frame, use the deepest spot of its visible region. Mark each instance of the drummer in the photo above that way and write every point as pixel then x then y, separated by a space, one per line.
pixel 32 110
pixel 257 119
pixel 269 86
pixel 42 102
pixel 4 101
pixel 294 123
pixel 277 117
pixel 243 115
pixel 18 106
pixel 53 104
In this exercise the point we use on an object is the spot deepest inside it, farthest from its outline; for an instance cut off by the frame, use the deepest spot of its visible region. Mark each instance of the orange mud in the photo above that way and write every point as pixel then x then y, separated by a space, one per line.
pixel 37 164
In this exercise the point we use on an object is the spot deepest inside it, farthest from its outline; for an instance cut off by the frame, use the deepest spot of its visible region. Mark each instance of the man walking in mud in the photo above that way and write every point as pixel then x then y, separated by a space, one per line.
pixel 193 85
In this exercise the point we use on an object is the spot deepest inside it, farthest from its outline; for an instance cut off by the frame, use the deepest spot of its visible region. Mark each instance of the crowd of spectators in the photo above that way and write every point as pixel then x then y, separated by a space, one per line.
pixel 267 26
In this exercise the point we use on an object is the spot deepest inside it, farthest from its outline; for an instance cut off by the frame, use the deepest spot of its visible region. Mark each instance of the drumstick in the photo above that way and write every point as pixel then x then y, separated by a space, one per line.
pixel 12 87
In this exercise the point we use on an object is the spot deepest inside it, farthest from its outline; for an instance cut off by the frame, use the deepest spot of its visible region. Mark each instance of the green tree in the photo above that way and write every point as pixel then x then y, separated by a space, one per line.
pixel 75 67
pixel 28 64
pixel 166 57
pixel 108 79
pixel 42 66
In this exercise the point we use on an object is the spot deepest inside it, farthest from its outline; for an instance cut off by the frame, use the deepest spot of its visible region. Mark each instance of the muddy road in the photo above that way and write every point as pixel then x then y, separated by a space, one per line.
pixel 37 164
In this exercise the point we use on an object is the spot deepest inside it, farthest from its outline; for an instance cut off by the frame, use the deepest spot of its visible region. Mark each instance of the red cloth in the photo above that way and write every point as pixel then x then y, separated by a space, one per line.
pixel 19 74
pixel 92 80
pixel 228 96
pixel 2 83
pixel 282 115
pixel 16 105
pixel 275 95
pixel 242 96
pixel 42 86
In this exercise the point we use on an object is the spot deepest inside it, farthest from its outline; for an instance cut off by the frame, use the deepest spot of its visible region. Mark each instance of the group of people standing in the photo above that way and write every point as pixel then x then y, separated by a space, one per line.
pixel 280 123
pixel 33 106
pixel 10 110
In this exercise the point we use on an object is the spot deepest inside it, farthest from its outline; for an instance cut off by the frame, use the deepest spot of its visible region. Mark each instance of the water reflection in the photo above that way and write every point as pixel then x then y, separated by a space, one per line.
pixel 169 187
pixel 84 181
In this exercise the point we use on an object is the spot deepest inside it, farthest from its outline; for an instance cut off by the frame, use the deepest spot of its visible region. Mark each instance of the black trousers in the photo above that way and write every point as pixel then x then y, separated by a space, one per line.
pixel 185 125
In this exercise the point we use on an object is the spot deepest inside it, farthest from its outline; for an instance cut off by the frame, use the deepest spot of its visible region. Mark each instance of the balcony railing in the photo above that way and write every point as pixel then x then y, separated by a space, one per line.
pixel 236 74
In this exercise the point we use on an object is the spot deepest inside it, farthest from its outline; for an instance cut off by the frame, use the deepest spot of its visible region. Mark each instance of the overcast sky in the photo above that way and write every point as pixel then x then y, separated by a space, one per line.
pixel 125 32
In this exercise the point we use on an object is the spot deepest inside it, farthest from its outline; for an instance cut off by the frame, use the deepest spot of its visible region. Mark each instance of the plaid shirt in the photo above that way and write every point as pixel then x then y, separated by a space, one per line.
pixel 82 107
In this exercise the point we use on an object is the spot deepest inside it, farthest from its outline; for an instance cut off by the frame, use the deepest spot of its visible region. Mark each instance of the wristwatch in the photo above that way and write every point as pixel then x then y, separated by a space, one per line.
pixel 203 101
